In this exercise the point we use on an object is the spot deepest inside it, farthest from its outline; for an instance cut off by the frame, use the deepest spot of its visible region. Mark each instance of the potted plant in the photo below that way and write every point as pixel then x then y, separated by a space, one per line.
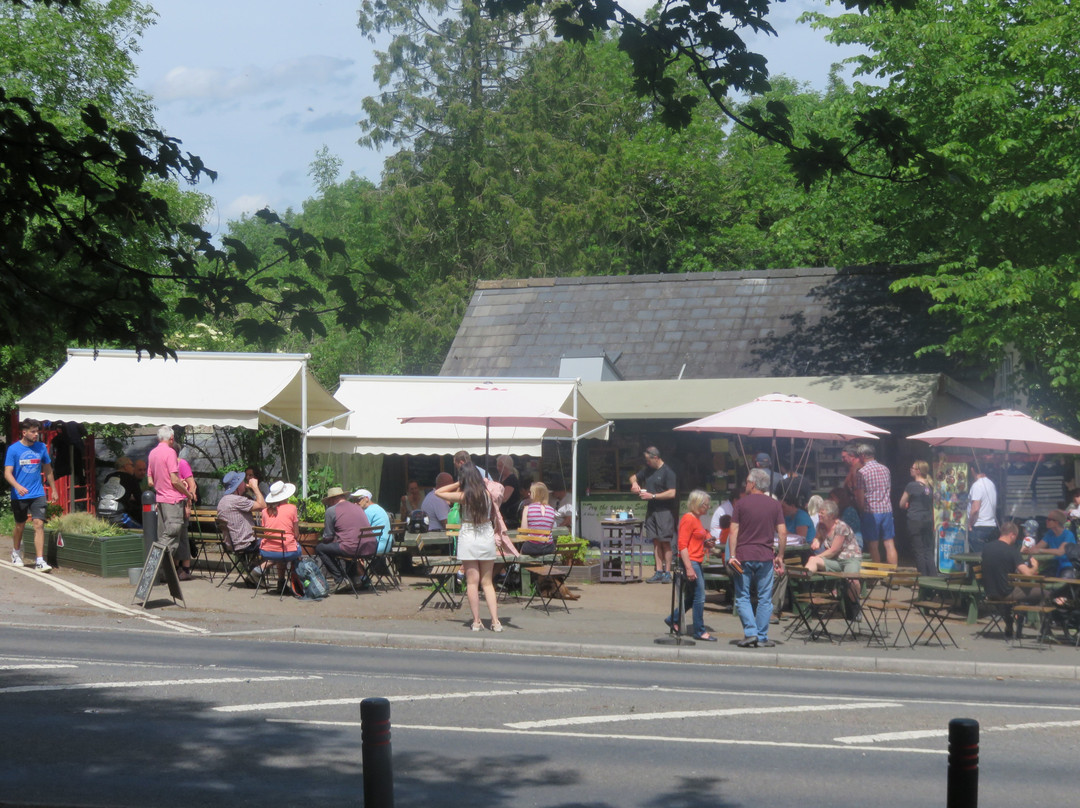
pixel 84 542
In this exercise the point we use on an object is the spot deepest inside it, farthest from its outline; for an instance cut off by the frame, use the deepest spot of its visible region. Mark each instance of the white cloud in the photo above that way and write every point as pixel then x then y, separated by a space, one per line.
pixel 184 82
pixel 245 205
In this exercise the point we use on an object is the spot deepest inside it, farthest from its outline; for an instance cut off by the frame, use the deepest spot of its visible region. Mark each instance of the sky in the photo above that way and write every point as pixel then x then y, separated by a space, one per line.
pixel 257 87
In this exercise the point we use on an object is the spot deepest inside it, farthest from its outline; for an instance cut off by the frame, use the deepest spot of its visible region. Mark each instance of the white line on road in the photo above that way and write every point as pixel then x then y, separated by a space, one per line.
pixel 230 680
pixel 680 714
pixel 35 666
pixel 618 737
pixel 284 705
pixel 915 734
pixel 93 599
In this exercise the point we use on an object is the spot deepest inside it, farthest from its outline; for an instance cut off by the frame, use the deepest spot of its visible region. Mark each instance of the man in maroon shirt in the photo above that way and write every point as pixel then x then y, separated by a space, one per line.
pixel 341 533
pixel 756 520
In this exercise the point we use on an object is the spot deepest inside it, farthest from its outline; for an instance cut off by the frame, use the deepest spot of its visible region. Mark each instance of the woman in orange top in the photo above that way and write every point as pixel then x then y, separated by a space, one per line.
pixel 694 541
pixel 280 515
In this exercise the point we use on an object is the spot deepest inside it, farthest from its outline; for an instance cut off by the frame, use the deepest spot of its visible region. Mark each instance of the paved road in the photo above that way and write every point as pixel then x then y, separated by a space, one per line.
pixel 129 719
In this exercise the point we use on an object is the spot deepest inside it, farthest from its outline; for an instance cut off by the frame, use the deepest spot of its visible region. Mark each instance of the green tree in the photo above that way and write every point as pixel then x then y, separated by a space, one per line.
pixel 993 88
pixel 97 246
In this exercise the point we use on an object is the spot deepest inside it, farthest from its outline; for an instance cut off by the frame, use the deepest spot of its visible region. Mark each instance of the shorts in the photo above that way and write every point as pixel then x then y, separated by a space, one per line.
pixel 878 526
pixel 172 529
pixel 34 508
pixel 660 526
pixel 847 565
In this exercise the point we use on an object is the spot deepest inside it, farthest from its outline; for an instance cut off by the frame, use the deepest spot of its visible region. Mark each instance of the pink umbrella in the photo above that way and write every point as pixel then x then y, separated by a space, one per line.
pixel 780 416
pixel 489 405
pixel 1002 430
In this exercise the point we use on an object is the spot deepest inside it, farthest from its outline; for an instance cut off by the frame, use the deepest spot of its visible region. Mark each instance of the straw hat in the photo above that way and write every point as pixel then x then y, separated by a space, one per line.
pixel 333 493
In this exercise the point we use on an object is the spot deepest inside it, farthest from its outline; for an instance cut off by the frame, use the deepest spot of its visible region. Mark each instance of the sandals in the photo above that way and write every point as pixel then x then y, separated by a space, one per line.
pixel 705 637
pixel 477 626
pixel 496 626
pixel 671 624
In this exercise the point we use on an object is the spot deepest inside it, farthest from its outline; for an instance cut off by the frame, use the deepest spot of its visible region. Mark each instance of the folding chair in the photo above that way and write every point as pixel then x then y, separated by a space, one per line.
pixel 998 610
pixel 382 569
pixel 1043 609
pixel 239 561
pixel 893 595
pixel 934 612
pixel 441 575
pixel 553 576
pixel 360 562
pixel 203 533
pixel 811 608
pixel 513 563
pixel 284 575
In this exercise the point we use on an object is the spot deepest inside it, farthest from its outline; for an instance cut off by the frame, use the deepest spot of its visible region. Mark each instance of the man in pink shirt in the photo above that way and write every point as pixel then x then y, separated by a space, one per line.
pixel 173 495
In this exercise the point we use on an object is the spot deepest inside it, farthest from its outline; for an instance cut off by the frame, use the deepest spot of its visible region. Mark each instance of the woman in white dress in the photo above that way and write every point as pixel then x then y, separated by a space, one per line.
pixel 476 541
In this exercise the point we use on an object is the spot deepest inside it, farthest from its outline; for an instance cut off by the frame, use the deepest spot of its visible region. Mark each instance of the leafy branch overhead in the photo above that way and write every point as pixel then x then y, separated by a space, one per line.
pixel 703 38
pixel 90 248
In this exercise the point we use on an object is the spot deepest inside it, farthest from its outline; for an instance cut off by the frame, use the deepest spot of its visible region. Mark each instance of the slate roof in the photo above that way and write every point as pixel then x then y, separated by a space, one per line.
pixel 778 322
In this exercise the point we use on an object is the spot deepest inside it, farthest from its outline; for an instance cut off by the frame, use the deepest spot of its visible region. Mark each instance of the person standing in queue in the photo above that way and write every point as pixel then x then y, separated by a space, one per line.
pixel 173 496
pixel 655 483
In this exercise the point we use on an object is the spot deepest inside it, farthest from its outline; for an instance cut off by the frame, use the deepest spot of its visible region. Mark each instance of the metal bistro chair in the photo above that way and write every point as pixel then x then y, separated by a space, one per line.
pixel 361 560
pixel 285 574
pixel 239 561
pixel 553 576
pixel 441 574
pixel 203 533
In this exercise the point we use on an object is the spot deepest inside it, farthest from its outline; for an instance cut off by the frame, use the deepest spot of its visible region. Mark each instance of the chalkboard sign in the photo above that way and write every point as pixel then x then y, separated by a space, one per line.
pixel 159 551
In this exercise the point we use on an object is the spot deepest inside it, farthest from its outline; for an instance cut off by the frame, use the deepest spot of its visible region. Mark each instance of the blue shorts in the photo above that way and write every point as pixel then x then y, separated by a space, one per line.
pixel 880 526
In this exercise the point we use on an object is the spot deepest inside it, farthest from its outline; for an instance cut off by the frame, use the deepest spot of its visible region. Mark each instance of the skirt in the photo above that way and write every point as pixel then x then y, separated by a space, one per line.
pixel 476 542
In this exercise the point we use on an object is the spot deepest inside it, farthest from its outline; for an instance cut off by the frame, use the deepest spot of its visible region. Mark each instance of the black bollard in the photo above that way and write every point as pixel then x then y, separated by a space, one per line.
pixel 149 520
pixel 376 753
pixel 963 790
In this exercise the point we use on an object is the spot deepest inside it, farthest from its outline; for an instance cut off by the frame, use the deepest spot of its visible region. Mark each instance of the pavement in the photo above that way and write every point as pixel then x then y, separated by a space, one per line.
pixel 609 620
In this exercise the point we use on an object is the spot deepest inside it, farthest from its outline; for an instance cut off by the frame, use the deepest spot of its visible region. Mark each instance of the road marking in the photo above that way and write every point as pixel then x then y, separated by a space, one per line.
pixel 619 737
pixel 284 705
pixel 915 734
pixel 680 714
pixel 229 680
pixel 35 666
pixel 93 599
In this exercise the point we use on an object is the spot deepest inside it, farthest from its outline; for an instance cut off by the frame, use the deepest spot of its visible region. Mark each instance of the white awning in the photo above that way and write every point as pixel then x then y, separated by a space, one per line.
pixel 195 389
pixel 379 402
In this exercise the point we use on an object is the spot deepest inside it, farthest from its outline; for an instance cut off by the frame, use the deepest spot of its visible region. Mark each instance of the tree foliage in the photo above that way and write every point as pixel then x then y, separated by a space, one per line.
pixel 993 88
pixel 96 245
pixel 703 39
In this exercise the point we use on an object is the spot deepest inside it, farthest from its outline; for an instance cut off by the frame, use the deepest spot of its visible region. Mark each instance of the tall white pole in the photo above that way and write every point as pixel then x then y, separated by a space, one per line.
pixel 303 428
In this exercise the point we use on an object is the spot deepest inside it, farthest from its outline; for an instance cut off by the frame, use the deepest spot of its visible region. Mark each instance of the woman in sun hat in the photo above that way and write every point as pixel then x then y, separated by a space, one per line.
pixel 281 515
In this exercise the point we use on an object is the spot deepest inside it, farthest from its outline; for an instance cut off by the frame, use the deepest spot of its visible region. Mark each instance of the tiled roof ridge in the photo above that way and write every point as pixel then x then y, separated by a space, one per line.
pixel 680 277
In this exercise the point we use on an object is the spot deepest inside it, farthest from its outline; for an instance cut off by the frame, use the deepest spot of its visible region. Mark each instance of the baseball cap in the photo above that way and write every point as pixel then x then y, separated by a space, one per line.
pixel 361 493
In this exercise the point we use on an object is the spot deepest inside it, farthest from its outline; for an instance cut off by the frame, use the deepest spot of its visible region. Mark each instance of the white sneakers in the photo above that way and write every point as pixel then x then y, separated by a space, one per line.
pixel 41 566
pixel 16 558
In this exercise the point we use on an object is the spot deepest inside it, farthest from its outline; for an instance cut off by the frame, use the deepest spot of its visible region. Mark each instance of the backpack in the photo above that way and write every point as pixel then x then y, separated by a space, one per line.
pixel 418 522
pixel 308 580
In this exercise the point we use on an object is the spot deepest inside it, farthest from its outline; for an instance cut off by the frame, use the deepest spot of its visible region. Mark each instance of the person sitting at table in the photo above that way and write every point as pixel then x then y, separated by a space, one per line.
pixel 538 515
pixel 840 552
pixel 341 534
pixel 508 476
pixel 238 511
pixel 846 504
pixel 1053 541
pixel 1000 559
pixel 561 501
pixel 280 515
pixel 434 507
pixel 377 516
pixel 694 542
pixel 800 526
pixel 813 506
pixel 413 499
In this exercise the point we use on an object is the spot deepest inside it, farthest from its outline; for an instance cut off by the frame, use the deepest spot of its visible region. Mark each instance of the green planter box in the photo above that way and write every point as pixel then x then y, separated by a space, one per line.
pixel 107 556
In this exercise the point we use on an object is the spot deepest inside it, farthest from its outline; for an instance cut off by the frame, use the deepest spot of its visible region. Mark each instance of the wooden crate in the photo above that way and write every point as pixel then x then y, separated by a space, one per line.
pixel 106 556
